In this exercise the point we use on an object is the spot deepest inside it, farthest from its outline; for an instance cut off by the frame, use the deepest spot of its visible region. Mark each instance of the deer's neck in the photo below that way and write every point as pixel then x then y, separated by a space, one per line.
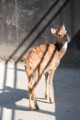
pixel 60 46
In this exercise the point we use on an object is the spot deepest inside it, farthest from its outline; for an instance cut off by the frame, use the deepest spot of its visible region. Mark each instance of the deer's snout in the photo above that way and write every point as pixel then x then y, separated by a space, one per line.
pixel 68 38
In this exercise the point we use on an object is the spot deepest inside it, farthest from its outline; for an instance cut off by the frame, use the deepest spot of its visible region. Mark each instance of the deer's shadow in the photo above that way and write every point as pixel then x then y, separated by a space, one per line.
pixel 10 96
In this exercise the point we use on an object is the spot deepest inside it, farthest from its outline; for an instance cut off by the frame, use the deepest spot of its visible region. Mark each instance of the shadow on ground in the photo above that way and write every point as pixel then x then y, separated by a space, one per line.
pixel 10 96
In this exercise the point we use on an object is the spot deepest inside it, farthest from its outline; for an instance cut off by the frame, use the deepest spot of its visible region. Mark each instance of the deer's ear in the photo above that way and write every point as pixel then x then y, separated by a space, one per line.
pixel 53 31
pixel 63 26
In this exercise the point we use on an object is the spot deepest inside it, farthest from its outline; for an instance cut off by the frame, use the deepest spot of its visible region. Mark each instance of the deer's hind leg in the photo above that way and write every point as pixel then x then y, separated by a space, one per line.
pixel 30 76
pixel 30 94
pixel 35 81
pixel 34 99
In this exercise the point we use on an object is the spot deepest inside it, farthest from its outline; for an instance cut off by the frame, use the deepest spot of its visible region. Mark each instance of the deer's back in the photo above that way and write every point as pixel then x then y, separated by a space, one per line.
pixel 42 56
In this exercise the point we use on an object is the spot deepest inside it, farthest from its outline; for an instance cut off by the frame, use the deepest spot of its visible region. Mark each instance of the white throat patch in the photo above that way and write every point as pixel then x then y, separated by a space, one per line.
pixel 65 45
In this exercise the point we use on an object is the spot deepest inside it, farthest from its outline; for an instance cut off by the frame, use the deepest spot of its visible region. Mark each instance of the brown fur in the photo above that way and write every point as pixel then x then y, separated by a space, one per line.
pixel 44 59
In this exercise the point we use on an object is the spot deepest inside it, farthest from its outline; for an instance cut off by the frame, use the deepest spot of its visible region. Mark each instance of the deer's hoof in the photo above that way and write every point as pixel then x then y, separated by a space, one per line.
pixel 46 96
pixel 31 108
pixel 51 100
pixel 37 107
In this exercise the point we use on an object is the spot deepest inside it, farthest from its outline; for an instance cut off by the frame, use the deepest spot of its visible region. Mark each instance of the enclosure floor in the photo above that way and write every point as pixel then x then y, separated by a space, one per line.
pixel 14 103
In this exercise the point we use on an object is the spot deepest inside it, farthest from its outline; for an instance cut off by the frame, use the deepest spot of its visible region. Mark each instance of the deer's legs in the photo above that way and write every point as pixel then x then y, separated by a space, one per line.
pixel 51 86
pixel 46 85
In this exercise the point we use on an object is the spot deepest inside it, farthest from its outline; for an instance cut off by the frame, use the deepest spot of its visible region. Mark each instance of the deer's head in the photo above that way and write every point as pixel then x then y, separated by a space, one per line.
pixel 61 34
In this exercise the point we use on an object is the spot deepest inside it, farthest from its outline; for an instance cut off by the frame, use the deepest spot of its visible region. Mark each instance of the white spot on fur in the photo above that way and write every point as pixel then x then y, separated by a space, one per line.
pixel 25 64
pixel 54 64
pixel 30 65
pixel 40 53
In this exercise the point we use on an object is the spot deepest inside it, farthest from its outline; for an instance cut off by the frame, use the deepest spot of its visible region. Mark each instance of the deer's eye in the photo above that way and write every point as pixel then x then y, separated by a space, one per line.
pixel 60 36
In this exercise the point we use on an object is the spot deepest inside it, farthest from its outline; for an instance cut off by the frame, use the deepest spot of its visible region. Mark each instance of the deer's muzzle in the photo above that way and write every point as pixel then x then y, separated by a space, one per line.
pixel 68 38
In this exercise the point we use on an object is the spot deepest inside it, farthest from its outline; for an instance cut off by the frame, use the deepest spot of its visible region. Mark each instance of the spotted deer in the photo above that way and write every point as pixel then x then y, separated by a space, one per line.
pixel 45 59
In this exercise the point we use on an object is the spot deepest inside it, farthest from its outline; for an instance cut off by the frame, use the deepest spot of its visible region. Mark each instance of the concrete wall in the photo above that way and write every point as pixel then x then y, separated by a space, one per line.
pixel 26 23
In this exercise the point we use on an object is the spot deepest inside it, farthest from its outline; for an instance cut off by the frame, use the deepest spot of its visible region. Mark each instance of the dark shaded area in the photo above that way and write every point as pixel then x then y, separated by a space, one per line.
pixel 72 57
pixel 10 96
pixel 67 93
pixel 77 37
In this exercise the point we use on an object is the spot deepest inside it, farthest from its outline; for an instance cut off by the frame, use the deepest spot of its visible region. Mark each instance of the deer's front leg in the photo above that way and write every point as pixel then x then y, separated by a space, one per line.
pixel 46 85
pixel 51 86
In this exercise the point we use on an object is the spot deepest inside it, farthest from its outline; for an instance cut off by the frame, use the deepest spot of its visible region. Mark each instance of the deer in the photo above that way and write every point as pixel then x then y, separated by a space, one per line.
pixel 44 59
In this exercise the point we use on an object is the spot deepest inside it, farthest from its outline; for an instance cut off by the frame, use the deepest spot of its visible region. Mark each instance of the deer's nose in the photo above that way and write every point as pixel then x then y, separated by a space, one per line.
pixel 68 38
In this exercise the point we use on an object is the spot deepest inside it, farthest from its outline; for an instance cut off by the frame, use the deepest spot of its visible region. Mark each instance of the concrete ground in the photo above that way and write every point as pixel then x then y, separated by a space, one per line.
pixel 14 95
